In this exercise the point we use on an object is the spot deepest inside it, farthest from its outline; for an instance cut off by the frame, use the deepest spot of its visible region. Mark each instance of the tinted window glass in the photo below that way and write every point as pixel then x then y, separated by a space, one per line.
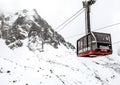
pixel 101 37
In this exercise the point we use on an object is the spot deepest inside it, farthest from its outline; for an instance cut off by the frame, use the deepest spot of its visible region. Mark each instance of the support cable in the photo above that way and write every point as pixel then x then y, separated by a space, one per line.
pixel 94 30
pixel 69 19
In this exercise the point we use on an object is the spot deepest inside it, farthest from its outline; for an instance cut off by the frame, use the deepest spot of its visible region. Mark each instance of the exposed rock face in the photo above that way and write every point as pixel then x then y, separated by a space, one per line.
pixel 29 25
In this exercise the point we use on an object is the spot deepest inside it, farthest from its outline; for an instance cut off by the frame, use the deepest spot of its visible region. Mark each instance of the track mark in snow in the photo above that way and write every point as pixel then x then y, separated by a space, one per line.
pixel 17 63
pixel 58 77
pixel 57 63
pixel 96 62
pixel 86 66
pixel 114 66
pixel 103 82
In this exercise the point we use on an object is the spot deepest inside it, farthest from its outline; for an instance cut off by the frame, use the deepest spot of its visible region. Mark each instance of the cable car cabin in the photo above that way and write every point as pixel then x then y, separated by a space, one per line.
pixel 94 44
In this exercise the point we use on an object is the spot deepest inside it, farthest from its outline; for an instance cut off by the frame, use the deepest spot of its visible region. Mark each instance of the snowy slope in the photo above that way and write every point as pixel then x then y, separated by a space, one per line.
pixel 23 62
pixel 55 67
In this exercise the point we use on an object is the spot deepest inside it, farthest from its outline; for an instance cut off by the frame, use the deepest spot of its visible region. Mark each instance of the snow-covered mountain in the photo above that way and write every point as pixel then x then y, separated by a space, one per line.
pixel 33 54
pixel 29 25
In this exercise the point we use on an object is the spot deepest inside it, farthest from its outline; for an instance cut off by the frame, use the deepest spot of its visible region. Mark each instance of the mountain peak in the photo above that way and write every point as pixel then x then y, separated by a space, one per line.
pixel 14 29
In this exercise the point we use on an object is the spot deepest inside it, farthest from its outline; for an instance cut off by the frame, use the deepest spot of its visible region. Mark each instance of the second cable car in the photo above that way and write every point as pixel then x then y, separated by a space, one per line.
pixel 93 44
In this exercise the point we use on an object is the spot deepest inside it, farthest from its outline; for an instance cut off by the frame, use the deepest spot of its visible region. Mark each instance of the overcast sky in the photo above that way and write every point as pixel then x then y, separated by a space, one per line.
pixel 55 12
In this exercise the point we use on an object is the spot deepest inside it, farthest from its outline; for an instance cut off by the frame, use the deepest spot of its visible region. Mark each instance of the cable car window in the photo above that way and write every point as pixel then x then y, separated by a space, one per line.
pixel 93 39
pixel 89 39
pixel 89 42
pixel 85 42
pixel 80 45
pixel 101 37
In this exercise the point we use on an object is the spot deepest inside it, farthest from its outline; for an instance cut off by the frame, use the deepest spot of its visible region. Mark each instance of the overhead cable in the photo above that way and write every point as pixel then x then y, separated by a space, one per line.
pixel 116 42
pixel 69 19
pixel 95 30
pixel 107 26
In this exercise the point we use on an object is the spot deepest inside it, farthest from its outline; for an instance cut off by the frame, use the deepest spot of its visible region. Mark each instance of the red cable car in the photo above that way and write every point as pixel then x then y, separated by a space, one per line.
pixel 93 43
